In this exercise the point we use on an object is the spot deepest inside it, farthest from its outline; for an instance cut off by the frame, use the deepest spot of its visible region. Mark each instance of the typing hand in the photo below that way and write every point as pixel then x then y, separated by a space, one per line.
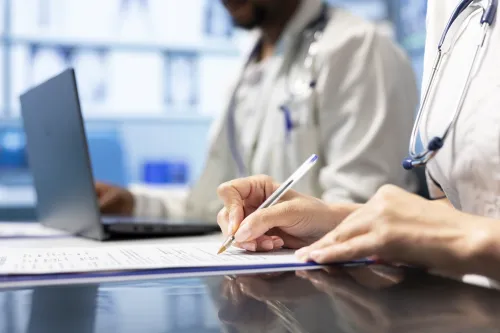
pixel 114 200
pixel 295 221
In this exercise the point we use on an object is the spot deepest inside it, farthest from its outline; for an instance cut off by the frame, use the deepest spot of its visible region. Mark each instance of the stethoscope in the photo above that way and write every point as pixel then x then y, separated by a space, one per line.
pixel 417 159
pixel 294 90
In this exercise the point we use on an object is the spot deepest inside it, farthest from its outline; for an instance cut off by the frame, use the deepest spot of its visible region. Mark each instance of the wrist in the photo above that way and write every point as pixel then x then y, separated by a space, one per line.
pixel 342 210
pixel 484 249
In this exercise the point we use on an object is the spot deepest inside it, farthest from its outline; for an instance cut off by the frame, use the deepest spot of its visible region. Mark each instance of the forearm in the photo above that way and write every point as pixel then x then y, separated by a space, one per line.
pixel 485 254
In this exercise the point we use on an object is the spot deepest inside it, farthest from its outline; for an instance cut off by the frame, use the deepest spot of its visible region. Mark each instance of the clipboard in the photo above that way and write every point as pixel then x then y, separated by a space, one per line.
pixel 13 281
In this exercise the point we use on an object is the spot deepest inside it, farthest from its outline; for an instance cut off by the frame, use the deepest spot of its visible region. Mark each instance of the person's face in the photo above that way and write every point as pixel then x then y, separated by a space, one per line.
pixel 249 14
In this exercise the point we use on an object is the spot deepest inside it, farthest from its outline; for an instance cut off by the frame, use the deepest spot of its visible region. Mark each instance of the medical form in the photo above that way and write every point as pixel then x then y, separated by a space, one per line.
pixel 26 261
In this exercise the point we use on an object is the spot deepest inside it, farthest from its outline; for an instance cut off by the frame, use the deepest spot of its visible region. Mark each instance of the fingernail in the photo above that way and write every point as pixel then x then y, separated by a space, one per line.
pixel 303 258
pixel 243 234
pixel 302 255
pixel 249 246
pixel 231 226
pixel 314 255
pixel 267 244
pixel 301 252
pixel 278 243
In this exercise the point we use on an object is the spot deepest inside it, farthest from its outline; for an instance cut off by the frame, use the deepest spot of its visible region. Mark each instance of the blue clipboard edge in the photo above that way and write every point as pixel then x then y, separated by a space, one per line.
pixel 18 281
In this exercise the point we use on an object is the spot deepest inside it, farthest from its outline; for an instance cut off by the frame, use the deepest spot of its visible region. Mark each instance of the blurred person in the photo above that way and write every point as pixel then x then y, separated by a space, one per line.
pixel 457 232
pixel 318 80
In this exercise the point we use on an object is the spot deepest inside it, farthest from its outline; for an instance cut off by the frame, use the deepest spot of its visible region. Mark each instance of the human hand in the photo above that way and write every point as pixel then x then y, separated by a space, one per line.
pixel 400 227
pixel 295 221
pixel 114 200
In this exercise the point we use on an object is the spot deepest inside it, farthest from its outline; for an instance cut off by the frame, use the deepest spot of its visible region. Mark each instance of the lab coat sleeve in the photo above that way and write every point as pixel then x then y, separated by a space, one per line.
pixel 174 203
pixel 179 204
pixel 159 204
pixel 367 100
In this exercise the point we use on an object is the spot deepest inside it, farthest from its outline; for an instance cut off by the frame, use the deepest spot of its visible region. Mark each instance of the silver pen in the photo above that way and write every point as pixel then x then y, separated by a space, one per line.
pixel 273 198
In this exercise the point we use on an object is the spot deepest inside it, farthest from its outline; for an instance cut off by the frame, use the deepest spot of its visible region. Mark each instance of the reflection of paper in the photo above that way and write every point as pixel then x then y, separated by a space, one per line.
pixel 74 260
pixel 27 230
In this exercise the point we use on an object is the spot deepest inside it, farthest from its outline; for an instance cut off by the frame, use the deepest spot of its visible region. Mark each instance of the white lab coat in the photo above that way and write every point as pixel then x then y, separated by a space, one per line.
pixel 365 99
pixel 467 168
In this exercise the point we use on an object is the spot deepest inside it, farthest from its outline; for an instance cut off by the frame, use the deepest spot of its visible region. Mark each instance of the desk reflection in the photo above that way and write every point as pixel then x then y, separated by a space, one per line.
pixel 369 299
pixel 357 300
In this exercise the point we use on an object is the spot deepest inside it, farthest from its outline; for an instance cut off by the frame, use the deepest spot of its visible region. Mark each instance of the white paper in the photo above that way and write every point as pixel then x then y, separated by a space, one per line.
pixel 28 230
pixel 119 258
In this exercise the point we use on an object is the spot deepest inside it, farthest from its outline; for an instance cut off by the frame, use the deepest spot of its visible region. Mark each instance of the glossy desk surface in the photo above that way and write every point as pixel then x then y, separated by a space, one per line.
pixel 375 299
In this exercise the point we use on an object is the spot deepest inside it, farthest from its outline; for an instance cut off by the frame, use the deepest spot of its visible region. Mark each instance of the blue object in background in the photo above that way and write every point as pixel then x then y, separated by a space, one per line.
pixel 411 24
pixel 165 172
pixel 107 157
pixel 13 149
pixel 218 23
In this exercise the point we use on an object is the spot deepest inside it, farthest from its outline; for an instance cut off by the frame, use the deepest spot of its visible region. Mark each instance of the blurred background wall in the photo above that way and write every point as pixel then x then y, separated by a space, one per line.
pixel 151 74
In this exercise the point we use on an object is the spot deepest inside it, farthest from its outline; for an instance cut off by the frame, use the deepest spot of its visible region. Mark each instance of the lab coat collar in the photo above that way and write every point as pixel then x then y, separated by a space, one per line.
pixel 307 11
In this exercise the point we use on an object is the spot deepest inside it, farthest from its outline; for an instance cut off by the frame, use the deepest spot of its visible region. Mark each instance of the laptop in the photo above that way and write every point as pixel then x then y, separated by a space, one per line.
pixel 58 157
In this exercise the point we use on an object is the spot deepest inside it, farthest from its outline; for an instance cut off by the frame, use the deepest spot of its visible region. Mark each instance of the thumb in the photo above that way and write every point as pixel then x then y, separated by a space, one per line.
pixel 235 192
pixel 261 221
pixel 232 194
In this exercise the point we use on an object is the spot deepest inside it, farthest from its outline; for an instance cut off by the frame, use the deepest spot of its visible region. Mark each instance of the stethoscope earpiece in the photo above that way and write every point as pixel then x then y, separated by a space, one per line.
pixel 435 144
pixel 407 164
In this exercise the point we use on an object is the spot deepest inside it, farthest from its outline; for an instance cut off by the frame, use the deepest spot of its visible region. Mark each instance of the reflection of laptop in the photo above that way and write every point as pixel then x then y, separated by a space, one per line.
pixel 59 160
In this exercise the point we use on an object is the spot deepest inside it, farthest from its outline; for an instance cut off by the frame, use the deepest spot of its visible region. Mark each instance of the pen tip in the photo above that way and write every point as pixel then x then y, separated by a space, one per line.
pixel 222 249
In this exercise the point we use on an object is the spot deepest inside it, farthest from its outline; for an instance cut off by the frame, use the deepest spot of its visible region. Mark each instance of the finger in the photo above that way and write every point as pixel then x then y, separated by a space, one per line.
pixel 261 221
pixel 223 220
pixel 357 224
pixel 326 241
pixel 234 193
pixel 278 242
pixel 356 248
pixel 249 246
pixel 264 243
pixel 289 241
pixel 107 199
pixel 100 188
pixel 269 243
